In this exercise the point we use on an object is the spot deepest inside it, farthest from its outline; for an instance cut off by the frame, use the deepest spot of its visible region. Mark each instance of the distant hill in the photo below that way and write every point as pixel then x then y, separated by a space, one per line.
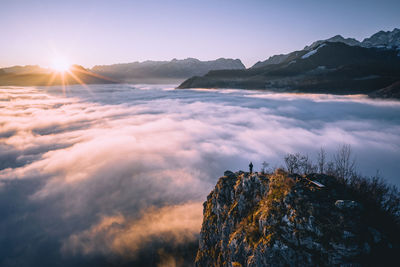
pixel 25 69
pixel 392 91
pixel 37 76
pixel 164 71
pixel 330 67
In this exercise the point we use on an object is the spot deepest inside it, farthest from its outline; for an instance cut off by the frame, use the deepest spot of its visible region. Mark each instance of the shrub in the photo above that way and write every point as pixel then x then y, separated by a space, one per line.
pixel 374 191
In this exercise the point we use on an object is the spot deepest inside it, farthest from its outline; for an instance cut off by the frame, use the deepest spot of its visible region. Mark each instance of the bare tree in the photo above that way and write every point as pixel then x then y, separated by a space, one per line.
pixel 330 168
pixel 321 160
pixel 264 168
pixel 306 165
pixel 298 163
pixel 344 162
pixel 292 162
pixel 376 190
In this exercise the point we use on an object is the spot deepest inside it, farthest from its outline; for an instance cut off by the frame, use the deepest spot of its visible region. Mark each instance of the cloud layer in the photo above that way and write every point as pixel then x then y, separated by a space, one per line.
pixel 112 171
pixel 172 225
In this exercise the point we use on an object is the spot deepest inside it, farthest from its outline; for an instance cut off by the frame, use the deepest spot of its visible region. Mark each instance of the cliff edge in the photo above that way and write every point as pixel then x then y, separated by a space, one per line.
pixel 283 219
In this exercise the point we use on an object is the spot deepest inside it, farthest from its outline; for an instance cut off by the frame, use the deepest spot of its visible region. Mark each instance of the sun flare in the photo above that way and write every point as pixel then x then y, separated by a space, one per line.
pixel 60 64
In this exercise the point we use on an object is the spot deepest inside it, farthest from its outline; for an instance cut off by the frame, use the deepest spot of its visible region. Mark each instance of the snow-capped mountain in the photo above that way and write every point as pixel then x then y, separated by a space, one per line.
pixel 381 39
pixel 336 38
pixel 331 67
pixel 390 39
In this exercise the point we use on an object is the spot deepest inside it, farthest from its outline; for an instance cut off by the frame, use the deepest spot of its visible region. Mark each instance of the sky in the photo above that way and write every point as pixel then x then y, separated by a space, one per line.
pixel 106 32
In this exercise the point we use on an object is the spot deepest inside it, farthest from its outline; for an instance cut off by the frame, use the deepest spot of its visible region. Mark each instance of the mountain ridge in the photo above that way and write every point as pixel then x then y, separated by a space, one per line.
pixel 175 69
pixel 33 75
pixel 331 67
pixel 379 39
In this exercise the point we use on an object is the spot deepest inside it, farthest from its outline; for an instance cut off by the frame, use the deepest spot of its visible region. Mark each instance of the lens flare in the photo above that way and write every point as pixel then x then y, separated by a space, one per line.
pixel 60 64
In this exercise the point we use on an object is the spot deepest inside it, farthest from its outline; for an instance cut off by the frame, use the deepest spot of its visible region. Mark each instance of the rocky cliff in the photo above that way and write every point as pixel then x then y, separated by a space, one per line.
pixel 290 220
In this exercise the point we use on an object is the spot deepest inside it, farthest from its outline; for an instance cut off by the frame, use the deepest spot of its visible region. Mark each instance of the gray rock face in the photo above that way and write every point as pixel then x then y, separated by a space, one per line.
pixel 276 59
pixel 284 220
pixel 390 39
pixel 336 38
pixel 347 205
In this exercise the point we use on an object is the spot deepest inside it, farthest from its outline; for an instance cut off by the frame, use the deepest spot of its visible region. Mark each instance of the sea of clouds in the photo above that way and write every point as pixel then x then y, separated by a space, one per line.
pixel 117 174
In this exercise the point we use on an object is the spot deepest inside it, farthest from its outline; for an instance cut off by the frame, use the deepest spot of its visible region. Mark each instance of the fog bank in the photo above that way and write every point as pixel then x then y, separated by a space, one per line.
pixel 118 173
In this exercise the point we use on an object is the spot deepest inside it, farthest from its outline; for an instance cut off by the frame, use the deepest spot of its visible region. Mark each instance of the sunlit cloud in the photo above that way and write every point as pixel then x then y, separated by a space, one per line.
pixel 174 225
pixel 325 98
pixel 119 164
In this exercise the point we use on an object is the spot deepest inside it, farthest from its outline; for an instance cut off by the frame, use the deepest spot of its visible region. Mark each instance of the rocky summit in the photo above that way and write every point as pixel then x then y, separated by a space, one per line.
pixel 282 219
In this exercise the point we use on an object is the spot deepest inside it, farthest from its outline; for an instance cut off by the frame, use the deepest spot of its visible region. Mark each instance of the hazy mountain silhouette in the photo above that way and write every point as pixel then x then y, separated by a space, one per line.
pixel 164 71
pixel 37 76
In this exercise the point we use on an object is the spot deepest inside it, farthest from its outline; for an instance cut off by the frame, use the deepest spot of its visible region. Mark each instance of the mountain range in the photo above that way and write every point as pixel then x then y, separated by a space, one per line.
pixel 174 71
pixel 164 71
pixel 337 65
pixel 387 39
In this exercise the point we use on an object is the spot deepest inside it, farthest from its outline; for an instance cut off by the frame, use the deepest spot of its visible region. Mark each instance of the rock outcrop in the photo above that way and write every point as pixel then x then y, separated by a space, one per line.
pixel 290 220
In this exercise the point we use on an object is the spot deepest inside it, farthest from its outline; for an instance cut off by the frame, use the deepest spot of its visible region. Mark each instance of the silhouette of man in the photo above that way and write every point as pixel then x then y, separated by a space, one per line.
pixel 251 167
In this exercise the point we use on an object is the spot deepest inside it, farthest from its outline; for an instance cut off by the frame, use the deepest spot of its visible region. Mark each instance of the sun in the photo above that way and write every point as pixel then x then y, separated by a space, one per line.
pixel 60 64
